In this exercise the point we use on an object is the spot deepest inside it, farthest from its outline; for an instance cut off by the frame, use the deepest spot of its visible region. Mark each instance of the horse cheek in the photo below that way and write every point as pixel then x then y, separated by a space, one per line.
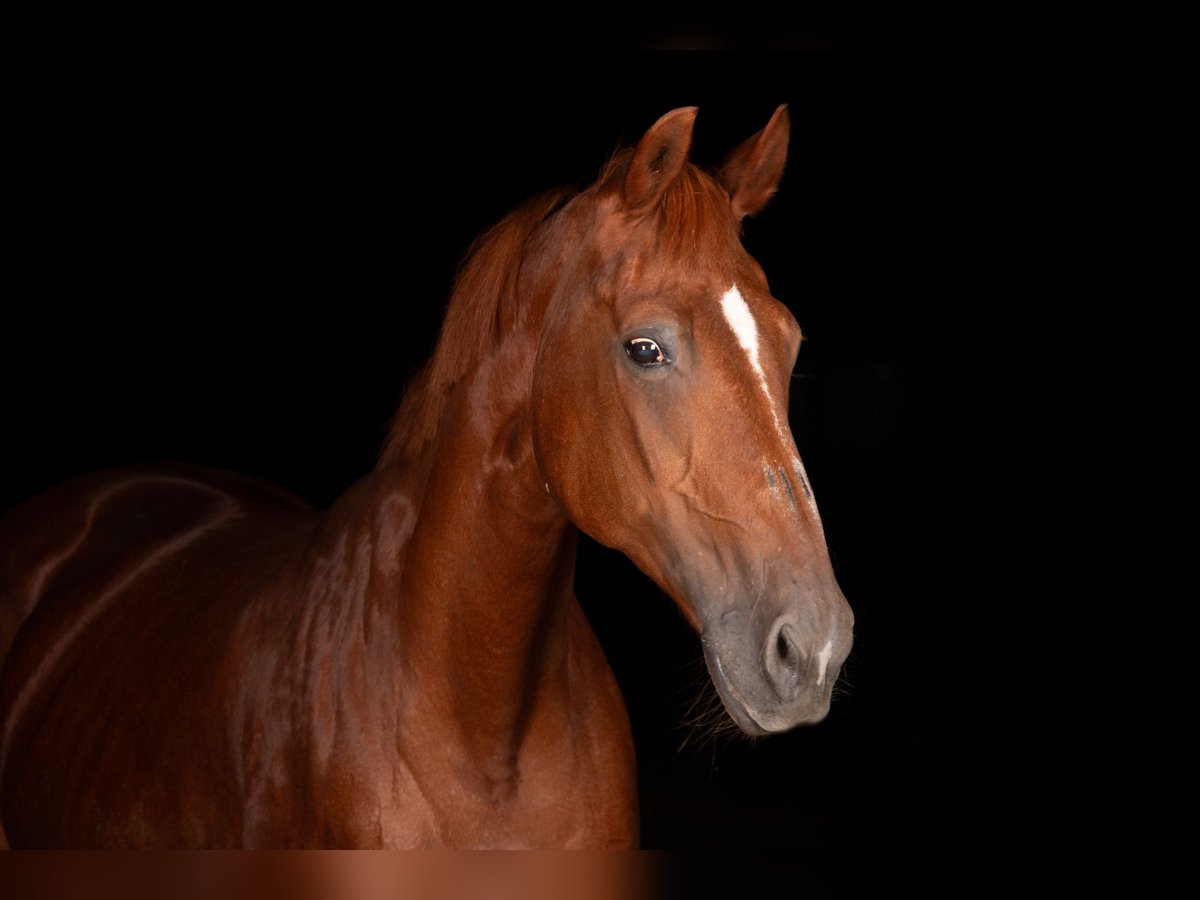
pixel 574 449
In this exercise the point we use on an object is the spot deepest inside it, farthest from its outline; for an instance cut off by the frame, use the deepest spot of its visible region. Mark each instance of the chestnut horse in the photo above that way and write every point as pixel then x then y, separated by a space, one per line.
pixel 195 658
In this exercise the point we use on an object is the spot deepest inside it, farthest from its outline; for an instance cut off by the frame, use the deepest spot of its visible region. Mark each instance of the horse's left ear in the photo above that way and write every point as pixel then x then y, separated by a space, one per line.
pixel 751 172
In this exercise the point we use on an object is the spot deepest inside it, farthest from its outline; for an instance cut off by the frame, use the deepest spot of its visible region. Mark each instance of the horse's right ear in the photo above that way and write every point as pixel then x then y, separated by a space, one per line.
pixel 658 159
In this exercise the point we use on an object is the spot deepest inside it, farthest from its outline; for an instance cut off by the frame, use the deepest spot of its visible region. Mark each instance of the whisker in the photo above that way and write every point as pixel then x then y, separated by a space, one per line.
pixel 704 721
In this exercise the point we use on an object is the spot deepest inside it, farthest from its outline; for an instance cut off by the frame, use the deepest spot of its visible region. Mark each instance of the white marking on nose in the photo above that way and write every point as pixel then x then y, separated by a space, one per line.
pixel 823 658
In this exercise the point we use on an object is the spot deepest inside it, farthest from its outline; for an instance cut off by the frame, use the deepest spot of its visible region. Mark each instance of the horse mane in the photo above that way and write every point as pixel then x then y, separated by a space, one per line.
pixel 694 214
pixel 482 300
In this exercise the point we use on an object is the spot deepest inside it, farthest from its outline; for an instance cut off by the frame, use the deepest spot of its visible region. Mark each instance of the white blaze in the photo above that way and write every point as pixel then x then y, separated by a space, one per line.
pixel 745 329
pixel 741 320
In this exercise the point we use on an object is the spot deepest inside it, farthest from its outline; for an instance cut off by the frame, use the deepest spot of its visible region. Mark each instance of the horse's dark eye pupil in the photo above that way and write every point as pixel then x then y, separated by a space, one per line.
pixel 644 352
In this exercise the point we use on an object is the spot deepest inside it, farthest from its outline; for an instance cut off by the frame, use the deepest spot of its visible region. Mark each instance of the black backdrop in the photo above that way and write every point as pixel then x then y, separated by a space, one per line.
pixel 237 257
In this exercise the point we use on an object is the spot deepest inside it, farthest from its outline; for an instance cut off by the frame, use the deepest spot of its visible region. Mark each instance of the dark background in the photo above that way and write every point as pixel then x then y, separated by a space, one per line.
pixel 236 252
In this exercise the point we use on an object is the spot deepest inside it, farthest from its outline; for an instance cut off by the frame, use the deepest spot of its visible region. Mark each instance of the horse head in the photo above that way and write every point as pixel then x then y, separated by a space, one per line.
pixel 659 413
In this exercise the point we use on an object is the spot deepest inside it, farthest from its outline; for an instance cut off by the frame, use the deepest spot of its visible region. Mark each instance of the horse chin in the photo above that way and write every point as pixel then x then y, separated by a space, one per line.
pixel 759 718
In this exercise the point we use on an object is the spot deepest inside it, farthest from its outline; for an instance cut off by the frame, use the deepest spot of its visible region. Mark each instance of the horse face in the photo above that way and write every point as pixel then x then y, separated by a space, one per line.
pixel 660 425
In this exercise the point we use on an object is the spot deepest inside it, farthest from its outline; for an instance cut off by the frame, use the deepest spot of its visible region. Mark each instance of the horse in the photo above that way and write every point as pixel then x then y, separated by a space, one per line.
pixel 195 658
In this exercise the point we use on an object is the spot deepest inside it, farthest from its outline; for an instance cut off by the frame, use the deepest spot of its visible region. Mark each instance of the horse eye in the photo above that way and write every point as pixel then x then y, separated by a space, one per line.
pixel 645 352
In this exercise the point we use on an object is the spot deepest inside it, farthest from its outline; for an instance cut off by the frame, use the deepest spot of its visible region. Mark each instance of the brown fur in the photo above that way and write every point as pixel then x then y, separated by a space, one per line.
pixel 198 659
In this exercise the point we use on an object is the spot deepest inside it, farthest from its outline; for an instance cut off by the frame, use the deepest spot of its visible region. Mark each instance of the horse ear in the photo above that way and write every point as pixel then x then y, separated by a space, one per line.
pixel 752 171
pixel 658 159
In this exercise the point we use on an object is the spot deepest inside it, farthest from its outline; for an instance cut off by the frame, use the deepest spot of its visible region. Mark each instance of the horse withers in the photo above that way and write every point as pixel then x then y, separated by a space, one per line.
pixel 196 658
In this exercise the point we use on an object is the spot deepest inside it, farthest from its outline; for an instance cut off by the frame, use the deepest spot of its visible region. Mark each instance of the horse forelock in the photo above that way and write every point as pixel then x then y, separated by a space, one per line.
pixel 696 219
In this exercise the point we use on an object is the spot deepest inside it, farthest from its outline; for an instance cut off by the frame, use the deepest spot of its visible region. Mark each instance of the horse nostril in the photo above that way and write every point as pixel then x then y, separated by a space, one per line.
pixel 782 647
pixel 784 664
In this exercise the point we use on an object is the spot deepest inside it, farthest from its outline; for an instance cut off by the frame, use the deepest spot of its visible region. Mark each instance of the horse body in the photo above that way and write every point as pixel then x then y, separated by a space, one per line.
pixel 201 660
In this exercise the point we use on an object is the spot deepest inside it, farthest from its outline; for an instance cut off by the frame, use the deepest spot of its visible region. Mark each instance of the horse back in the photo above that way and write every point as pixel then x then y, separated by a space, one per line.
pixel 124 588
pixel 59 541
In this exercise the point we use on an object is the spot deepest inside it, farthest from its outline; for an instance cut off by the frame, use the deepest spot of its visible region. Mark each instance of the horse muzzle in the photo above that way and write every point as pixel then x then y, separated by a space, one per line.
pixel 775 673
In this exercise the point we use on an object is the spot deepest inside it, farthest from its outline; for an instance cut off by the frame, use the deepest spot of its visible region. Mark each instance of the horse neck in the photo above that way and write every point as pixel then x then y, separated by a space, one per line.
pixel 476 564
pixel 455 562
